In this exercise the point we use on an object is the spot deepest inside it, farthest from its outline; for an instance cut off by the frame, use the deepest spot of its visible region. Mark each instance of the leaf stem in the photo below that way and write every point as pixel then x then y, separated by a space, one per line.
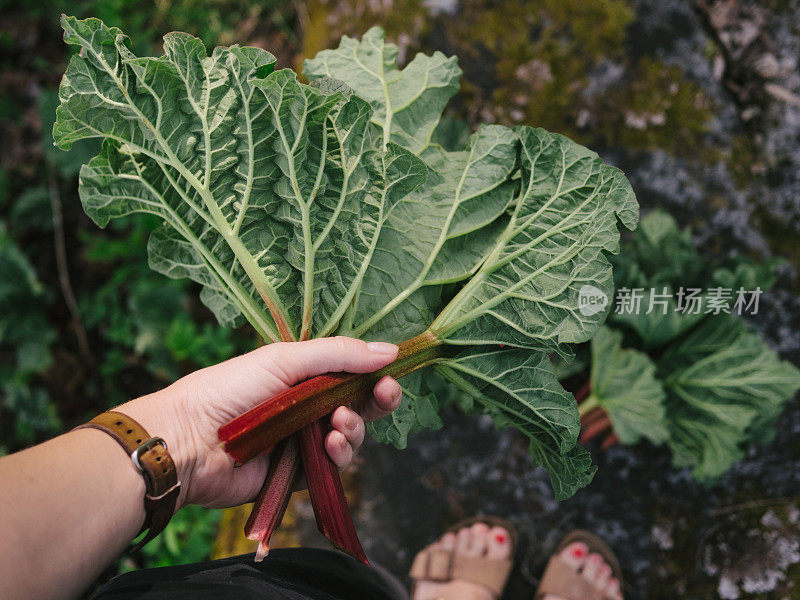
pixel 268 423
pixel 590 403
pixel 326 493
pixel 595 428
pixel 256 275
pixel 581 394
pixel 272 500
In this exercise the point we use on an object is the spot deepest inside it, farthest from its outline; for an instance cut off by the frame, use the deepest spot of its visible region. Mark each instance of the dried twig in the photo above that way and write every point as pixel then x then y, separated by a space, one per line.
pixel 63 267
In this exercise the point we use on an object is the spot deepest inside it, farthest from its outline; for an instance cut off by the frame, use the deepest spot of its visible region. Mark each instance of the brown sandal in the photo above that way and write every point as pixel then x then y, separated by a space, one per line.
pixel 440 565
pixel 562 580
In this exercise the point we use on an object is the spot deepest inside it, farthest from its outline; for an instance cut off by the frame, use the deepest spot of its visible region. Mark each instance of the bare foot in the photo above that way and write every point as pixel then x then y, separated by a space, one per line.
pixel 477 540
pixel 591 567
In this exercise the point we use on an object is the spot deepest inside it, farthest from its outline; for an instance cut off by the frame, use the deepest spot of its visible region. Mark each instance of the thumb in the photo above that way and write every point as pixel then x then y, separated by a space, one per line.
pixel 297 361
pixel 247 481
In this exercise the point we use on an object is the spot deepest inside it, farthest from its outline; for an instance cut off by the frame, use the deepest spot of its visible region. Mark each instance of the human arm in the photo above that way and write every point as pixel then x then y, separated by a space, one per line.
pixel 69 506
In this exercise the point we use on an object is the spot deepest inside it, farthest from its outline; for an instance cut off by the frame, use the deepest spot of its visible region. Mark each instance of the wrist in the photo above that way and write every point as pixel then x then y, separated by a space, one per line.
pixel 160 416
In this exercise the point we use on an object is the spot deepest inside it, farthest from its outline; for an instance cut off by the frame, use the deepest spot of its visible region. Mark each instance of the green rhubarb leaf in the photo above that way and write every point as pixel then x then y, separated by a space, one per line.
pixel 266 186
pixel 563 224
pixel 742 272
pixel 311 210
pixel 520 389
pixel 565 216
pixel 409 103
pixel 418 410
pixel 723 386
pixel 624 385
pixel 662 267
pixel 441 234
pixel 661 253
pixel 658 261
pixel 437 237
pixel 658 319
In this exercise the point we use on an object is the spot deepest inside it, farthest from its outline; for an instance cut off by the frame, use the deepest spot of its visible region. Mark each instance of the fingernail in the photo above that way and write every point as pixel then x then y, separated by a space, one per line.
pixel 351 421
pixel 578 552
pixel 500 538
pixel 343 443
pixel 396 395
pixel 383 348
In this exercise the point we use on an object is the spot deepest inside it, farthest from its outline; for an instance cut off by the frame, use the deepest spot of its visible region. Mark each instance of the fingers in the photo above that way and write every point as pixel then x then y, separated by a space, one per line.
pixel 348 426
pixel 386 397
pixel 295 362
pixel 338 448
pixel 346 437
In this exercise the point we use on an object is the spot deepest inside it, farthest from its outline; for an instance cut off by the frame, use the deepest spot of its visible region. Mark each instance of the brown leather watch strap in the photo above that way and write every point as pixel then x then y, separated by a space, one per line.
pixel 151 457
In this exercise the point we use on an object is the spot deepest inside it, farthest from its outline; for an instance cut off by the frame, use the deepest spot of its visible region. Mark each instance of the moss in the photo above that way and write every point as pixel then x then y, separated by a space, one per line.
pixel 531 62
pixel 542 53
pixel 739 539
pixel 781 236
pixel 745 160
pixel 325 21
pixel 657 106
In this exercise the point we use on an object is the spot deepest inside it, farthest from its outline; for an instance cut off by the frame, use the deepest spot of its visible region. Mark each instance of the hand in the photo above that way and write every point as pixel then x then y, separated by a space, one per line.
pixel 188 413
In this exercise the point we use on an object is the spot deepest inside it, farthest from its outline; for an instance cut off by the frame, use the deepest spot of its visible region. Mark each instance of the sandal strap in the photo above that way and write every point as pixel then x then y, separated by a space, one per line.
pixel 438 564
pixel 562 580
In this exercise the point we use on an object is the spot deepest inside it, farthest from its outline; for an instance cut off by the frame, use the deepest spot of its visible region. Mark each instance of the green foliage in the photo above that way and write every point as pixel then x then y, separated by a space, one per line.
pixel 26 336
pixel 418 410
pixel 188 538
pixel 292 206
pixel 213 21
pixel 146 317
pixel 624 384
pixel 724 387
pixel 504 290
pixel 23 303
pixel 706 384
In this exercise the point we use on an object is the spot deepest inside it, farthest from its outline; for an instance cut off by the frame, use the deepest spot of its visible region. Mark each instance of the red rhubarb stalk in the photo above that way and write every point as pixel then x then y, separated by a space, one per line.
pixel 268 423
pixel 611 440
pixel 592 416
pixel 581 394
pixel 596 428
pixel 326 493
pixel 272 500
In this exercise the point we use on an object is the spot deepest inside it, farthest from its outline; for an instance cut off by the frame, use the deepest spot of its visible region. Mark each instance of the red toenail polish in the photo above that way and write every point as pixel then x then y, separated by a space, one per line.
pixel 500 538
pixel 578 552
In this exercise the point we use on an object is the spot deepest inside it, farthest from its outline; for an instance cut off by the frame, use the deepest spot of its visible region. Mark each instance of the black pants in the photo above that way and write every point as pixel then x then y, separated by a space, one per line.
pixel 293 574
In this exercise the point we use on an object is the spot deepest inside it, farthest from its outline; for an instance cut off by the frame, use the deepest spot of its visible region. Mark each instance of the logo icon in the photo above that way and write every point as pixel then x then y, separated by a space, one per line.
pixel 591 300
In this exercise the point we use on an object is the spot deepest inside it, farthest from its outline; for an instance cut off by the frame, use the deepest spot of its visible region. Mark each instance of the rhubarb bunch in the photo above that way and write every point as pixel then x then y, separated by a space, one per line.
pixel 327 209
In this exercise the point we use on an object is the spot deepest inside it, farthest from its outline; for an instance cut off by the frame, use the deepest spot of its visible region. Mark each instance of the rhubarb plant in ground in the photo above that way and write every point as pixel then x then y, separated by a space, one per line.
pixel 704 384
pixel 325 209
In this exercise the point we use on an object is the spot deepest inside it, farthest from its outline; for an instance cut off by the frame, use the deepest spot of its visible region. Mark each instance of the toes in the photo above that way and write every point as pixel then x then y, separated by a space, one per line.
pixel 464 540
pixel 448 541
pixel 612 589
pixel 575 555
pixel 604 574
pixel 591 568
pixel 479 537
pixel 498 544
